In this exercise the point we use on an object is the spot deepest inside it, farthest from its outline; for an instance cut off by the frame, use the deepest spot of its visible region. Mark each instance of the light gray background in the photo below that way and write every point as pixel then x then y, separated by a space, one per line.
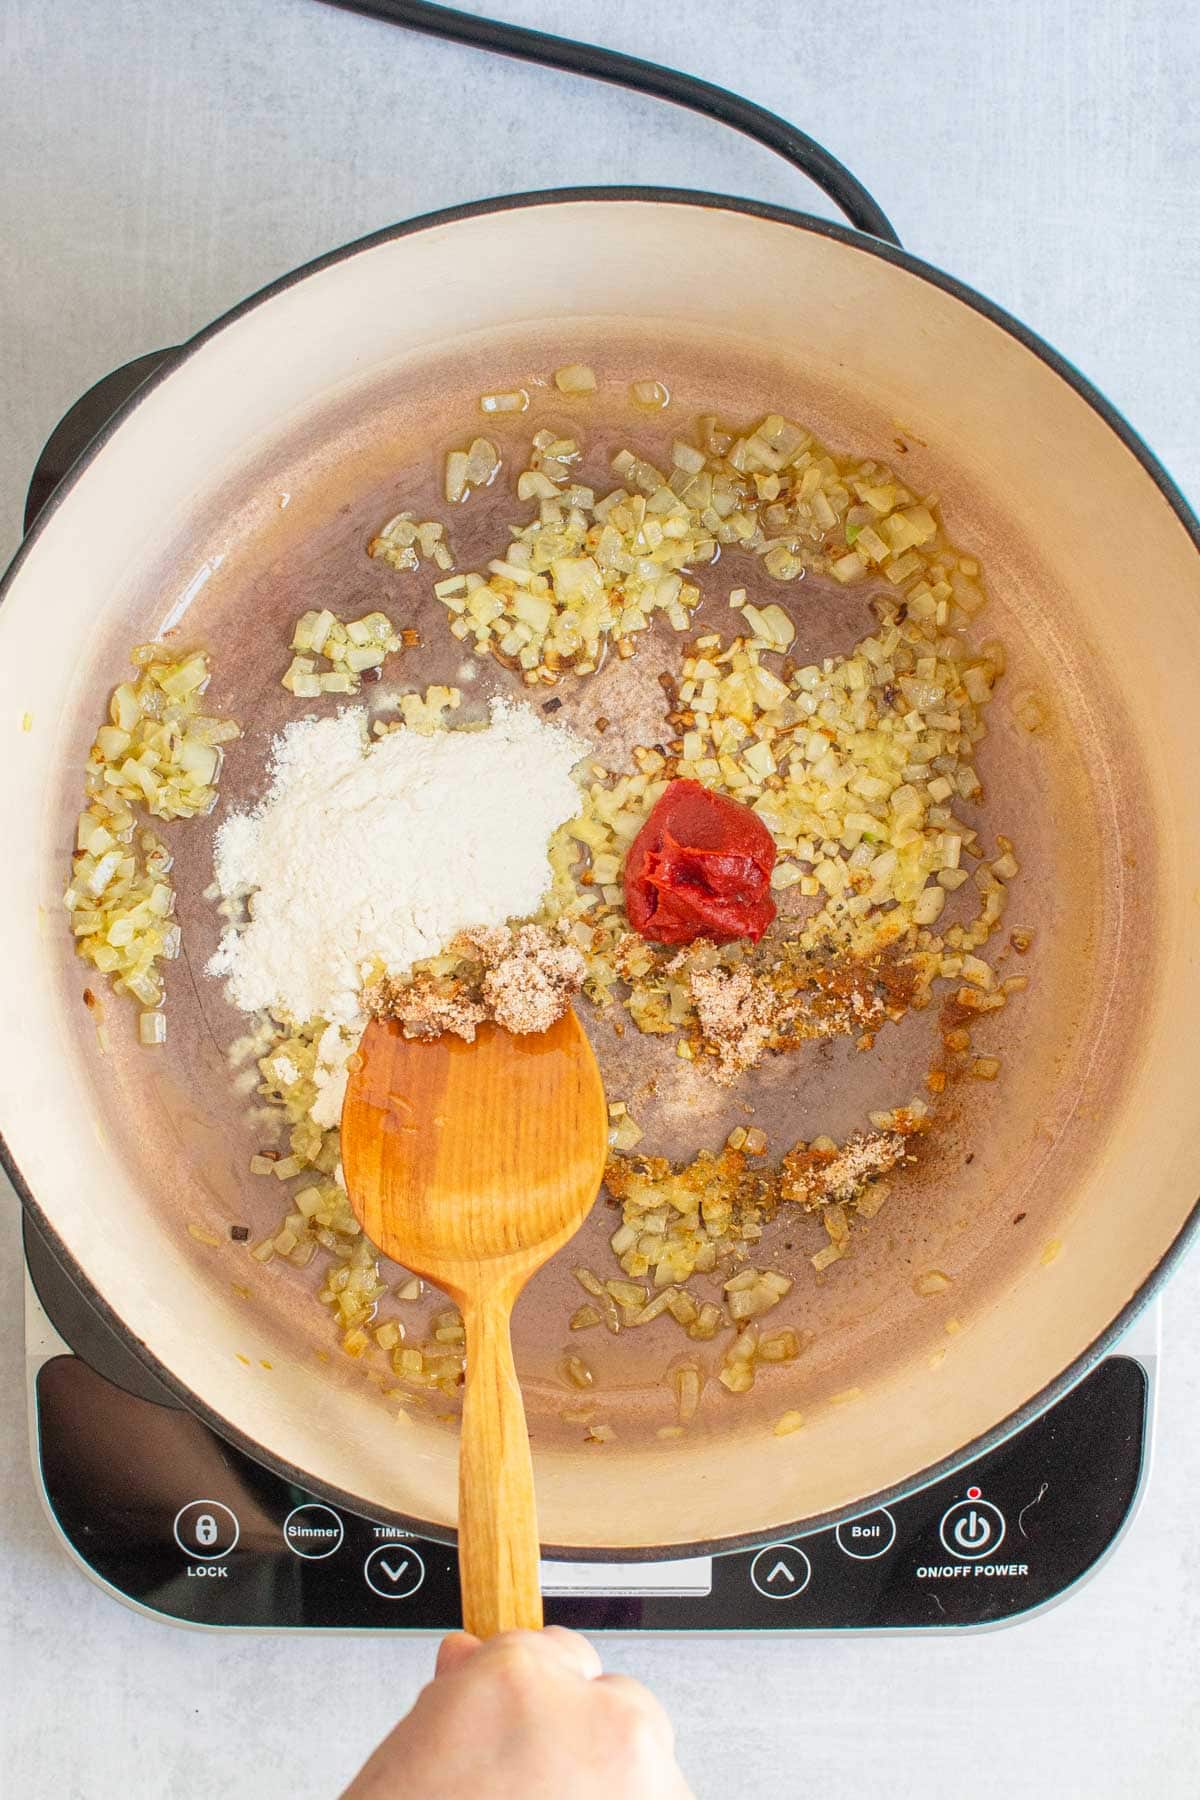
pixel 161 161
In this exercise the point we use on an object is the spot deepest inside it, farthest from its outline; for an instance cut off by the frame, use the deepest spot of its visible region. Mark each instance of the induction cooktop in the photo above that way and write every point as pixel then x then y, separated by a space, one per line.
pixel 168 1517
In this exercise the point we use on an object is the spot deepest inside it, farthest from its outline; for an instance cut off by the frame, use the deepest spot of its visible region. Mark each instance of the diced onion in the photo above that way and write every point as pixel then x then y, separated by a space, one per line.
pixel 575 378
pixel 515 401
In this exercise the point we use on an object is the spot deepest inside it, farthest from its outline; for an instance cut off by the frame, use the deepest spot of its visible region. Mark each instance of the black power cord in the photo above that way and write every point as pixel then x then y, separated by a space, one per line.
pixel 753 121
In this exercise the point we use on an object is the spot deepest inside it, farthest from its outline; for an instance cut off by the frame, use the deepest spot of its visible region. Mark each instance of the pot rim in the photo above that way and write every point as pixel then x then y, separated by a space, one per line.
pixel 1106 1339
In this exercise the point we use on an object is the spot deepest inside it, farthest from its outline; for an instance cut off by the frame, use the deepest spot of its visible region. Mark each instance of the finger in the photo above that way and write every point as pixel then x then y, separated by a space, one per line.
pixel 555 1647
pixel 454 1650
pixel 638 1699
pixel 573 1651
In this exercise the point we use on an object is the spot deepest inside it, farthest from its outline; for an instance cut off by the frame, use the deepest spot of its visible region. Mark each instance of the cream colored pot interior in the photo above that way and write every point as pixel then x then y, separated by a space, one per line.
pixel 1059 1192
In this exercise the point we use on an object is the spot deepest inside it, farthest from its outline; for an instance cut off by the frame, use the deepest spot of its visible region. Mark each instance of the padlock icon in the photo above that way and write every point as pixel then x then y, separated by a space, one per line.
pixel 206 1529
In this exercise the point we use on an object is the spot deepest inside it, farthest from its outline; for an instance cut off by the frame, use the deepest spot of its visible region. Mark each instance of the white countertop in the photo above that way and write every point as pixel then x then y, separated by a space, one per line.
pixel 162 161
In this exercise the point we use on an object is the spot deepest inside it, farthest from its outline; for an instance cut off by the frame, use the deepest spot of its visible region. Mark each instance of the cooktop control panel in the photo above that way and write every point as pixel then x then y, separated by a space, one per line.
pixel 174 1519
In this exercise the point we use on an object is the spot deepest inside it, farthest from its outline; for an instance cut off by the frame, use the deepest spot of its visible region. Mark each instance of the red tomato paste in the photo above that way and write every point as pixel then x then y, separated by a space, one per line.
pixel 700 867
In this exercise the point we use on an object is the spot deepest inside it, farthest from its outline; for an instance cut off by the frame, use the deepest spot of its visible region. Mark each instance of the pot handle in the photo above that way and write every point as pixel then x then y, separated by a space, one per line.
pixel 796 147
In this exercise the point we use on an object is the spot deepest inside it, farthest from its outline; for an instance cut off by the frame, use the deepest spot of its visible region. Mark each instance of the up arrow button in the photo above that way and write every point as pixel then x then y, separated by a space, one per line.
pixel 780 1571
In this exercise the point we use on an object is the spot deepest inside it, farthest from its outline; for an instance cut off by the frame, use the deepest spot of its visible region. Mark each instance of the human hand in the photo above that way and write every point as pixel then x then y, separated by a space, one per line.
pixel 528 1714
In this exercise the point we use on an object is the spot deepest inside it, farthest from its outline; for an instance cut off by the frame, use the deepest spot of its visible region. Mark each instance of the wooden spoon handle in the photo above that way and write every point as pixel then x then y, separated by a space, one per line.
pixel 498 1547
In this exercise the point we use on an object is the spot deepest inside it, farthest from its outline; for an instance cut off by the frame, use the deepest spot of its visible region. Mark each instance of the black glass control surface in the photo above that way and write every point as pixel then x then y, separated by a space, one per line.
pixel 175 1519
pixel 84 421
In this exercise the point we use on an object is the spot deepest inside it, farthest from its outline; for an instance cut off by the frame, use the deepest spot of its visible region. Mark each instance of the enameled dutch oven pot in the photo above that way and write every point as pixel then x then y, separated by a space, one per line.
pixel 1079 1190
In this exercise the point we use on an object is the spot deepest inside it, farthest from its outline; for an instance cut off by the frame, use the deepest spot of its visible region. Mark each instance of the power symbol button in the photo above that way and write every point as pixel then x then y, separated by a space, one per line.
pixel 972 1528
pixel 971 1532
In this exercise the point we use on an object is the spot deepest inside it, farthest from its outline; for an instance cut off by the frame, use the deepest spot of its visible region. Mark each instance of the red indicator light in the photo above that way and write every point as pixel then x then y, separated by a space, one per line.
pixel 974 1493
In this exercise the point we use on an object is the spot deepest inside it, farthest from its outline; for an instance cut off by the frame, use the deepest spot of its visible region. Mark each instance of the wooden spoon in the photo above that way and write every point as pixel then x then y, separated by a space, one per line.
pixel 471 1164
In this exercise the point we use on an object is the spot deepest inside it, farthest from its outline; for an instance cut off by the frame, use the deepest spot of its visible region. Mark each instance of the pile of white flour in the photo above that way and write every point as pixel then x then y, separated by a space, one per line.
pixel 379 851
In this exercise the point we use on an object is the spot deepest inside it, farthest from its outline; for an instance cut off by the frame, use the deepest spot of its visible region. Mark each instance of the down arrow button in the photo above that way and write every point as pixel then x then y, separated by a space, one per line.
pixel 394 1571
